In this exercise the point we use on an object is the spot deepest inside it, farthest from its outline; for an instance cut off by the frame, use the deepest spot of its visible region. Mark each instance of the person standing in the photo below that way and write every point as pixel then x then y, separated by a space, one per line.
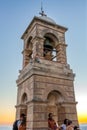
pixel 18 122
pixel 22 126
pixel 51 123
pixel 64 125
pixel 22 118
pixel 70 126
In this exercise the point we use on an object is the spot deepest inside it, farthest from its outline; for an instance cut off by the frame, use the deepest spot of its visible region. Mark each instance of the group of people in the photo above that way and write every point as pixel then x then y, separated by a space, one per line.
pixel 20 124
pixel 67 124
pixel 52 125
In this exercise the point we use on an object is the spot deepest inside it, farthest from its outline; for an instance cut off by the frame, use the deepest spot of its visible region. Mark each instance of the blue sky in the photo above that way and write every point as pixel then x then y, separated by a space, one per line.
pixel 15 16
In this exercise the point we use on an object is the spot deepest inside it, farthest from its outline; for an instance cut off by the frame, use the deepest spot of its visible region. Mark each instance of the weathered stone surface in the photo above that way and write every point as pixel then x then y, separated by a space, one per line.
pixel 45 85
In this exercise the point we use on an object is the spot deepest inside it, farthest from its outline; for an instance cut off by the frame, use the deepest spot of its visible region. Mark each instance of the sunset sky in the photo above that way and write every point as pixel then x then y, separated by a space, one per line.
pixel 15 16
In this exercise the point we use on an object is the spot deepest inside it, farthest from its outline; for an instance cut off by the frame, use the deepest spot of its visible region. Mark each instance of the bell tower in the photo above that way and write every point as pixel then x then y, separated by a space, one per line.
pixel 46 82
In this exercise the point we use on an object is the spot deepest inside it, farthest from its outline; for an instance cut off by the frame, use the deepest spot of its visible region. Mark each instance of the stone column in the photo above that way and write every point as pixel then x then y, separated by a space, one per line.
pixel 61 53
pixel 26 57
pixel 38 47
pixel 70 111
pixel 37 116
pixel 17 112
pixel 29 120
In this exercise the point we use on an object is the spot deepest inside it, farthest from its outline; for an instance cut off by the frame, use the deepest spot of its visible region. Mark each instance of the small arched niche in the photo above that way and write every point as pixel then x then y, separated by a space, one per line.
pixel 29 47
pixel 28 51
pixel 29 44
pixel 24 98
pixel 55 97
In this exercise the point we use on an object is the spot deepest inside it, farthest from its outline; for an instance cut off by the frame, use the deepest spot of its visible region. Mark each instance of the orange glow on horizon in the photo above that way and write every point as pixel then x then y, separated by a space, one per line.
pixel 6 121
pixel 8 118
pixel 82 118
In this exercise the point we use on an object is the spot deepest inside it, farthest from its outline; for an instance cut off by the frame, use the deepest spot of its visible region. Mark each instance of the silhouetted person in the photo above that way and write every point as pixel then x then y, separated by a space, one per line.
pixel 22 118
pixel 70 126
pixel 76 128
pixel 22 125
pixel 18 122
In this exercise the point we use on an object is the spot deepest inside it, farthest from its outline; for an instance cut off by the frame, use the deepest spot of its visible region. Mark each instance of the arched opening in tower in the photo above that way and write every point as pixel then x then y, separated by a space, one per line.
pixel 55 106
pixel 23 109
pixel 50 52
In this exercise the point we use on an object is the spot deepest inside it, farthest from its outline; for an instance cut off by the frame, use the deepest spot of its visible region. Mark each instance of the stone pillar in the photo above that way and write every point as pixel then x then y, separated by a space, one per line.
pixel 37 116
pixel 61 114
pixel 26 58
pixel 29 120
pixel 38 47
pixel 61 53
pixel 70 111
pixel 17 112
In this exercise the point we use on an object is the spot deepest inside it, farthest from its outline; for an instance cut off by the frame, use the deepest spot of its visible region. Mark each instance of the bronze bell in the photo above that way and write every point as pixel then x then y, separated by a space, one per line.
pixel 48 46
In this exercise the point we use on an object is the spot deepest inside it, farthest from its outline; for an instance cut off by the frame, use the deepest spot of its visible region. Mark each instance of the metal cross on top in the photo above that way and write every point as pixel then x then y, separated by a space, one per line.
pixel 42 11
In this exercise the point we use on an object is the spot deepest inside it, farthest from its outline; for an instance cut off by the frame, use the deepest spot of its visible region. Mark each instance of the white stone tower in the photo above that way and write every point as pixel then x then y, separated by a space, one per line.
pixel 46 82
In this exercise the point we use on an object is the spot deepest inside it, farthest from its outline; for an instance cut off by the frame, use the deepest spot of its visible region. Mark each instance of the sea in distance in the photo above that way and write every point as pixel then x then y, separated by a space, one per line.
pixel 9 127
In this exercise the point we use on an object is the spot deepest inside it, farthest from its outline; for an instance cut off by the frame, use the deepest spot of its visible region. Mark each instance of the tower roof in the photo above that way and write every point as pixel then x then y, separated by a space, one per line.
pixel 48 19
pixel 44 18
